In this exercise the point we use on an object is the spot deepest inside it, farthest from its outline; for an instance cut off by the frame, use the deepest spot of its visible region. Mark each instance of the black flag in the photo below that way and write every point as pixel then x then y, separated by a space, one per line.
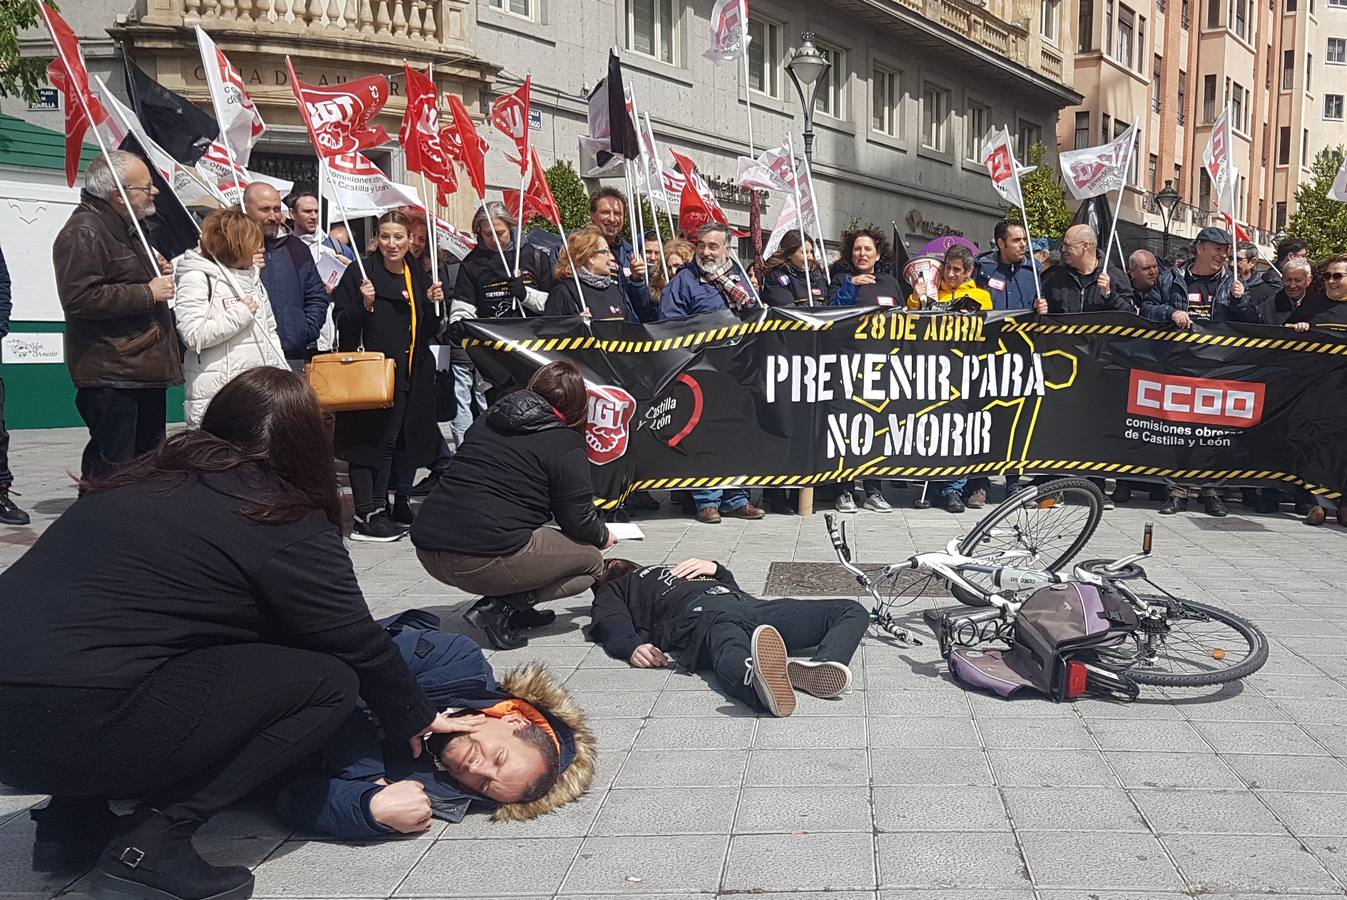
pixel 170 120
pixel 1096 213
pixel 901 257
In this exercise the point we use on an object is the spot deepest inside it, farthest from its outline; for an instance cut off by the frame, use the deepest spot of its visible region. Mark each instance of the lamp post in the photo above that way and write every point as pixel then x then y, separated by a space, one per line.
pixel 1166 200
pixel 807 68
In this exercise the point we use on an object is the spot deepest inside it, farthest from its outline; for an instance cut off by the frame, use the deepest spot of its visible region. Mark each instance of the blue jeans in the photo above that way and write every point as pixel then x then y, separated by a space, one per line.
pixel 468 392
pixel 728 500
pixel 965 486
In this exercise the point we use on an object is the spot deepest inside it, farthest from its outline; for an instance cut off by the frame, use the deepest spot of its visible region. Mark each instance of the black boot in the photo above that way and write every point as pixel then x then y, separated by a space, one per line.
pixel 524 612
pixel 71 832
pixel 1174 505
pixel 156 861
pixel 493 618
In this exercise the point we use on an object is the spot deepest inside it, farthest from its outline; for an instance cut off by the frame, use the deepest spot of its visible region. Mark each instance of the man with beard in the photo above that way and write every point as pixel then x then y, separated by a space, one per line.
pixel 290 276
pixel 608 213
pixel 121 344
pixel 520 748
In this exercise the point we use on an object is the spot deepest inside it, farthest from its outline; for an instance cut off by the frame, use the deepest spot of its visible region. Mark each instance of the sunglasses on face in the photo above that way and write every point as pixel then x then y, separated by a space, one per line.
pixel 1334 276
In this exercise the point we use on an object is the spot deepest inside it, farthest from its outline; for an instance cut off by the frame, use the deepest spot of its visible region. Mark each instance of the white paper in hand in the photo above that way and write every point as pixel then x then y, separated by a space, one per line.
pixel 331 267
pixel 626 531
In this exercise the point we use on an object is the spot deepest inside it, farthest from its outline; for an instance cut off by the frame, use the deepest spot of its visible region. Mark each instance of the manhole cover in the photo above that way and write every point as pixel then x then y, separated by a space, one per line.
pixel 792 579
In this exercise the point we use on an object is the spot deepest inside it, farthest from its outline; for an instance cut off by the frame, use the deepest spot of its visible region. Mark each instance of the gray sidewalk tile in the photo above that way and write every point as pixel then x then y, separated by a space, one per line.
pixel 493 868
pixel 1260 737
pixel 1035 734
pixel 1172 770
pixel 1051 768
pixel 699 733
pixel 1308 813
pixel 800 862
pixel 1214 863
pixel 811 733
pixel 680 810
pixel 665 864
pixel 682 768
pixel 322 869
pixel 786 768
pixel 923 732
pixel 950 859
pixel 929 766
pixel 1207 812
pixel 803 809
pixel 1119 860
pixel 1167 735
pixel 920 808
pixel 1072 809
pixel 1290 773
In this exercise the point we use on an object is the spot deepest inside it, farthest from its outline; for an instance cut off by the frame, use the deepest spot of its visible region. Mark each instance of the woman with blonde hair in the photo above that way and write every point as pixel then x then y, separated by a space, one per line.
pixel 221 310
pixel 677 254
pixel 584 285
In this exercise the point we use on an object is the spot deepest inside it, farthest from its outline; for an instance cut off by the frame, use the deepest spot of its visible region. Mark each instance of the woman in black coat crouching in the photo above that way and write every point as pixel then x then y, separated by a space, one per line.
pixel 584 287
pixel 393 312
pixel 189 629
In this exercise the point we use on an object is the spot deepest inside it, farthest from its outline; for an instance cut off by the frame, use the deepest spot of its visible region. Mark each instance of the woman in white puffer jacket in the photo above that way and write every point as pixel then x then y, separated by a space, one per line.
pixel 222 311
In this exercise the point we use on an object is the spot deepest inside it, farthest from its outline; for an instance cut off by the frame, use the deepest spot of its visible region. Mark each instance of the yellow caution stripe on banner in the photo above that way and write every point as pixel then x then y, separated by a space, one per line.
pixel 1035 466
pixel 1185 337
pixel 683 342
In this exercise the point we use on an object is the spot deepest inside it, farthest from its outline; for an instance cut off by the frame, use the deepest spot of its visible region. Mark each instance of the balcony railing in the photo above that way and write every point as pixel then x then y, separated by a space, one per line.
pixel 417 22
pixel 972 20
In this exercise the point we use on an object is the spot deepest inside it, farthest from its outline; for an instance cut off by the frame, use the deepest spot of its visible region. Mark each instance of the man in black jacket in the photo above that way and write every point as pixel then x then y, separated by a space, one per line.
pixel 1083 282
pixel 696 613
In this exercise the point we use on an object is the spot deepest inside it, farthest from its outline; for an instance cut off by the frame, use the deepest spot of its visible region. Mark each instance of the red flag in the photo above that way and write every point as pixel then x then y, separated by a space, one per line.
pixel 510 116
pixel 70 76
pixel 338 116
pixel 538 199
pixel 469 146
pixel 697 205
pixel 1241 236
pixel 420 134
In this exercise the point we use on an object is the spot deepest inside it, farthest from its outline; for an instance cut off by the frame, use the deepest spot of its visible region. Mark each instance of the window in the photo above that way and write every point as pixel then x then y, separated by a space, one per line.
pixel 1186 13
pixel 1288 69
pixel 1085 26
pixel 1140 65
pixel 1309 70
pixel 1106 132
pixel 1049 19
pixel 1157 70
pixel 1279 217
pixel 1242 18
pixel 1153 173
pixel 1284 146
pixel 1029 135
pixel 1204 194
pixel 935 118
pixel 1267 76
pixel 1290 5
pixel 1108 28
pixel 1242 200
pixel 1134 165
pixel 1305 148
pixel 1333 106
pixel 1337 51
pixel 1082 130
pixel 1209 99
pixel 831 97
pixel 1237 108
pixel 1126 35
pixel 650 29
pixel 1182 96
pixel 516 7
pixel 1214 13
pixel 1342 3
pixel 1178 178
pixel 977 123
pixel 884 116
pixel 764 57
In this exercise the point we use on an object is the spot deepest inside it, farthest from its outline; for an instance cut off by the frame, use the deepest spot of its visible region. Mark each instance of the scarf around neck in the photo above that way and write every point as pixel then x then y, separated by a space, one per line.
pixel 598 282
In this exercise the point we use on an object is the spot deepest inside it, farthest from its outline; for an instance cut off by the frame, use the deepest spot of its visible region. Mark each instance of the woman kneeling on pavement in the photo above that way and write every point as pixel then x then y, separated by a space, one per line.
pixel 189 629
pixel 483 527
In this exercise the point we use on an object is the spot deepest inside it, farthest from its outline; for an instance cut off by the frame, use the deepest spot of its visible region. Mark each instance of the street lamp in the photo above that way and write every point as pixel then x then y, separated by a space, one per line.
pixel 807 69
pixel 1167 200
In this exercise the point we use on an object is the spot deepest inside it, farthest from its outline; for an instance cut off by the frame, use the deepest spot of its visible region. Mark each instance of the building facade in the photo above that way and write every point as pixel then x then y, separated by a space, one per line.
pixel 1172 67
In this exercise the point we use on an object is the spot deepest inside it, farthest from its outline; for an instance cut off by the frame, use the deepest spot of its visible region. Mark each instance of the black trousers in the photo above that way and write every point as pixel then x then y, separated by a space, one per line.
pixel 266 708
pixel 369 484
pixel 833 627
pixel 6 476
pixel 124 423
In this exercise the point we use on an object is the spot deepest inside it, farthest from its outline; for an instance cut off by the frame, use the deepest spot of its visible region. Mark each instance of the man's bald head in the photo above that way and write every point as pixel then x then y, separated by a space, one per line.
pixel 1080 249
pixel 262 203
pixel 1143 269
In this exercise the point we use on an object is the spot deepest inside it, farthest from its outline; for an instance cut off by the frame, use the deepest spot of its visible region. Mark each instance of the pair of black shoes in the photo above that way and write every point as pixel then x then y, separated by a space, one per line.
pixel 1213 506
pixel 505 619
pixel 145 855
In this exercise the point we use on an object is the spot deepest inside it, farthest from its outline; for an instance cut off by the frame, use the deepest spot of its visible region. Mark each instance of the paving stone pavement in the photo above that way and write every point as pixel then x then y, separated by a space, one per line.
pixel 908 788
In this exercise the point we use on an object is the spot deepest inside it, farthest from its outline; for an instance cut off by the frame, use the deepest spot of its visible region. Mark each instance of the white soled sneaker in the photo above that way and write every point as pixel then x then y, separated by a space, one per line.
pixel 827 680
pixel 767 671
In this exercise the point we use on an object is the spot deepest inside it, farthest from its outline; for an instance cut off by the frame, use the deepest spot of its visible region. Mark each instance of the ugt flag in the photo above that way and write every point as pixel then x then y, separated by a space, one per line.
pixel 338 117
pixel 510 116
pixel 240 123
pixel 69 75
pixel 774 170
pixel 1219 161
pixel 998 153
pixel 1092 171
pixel 729 30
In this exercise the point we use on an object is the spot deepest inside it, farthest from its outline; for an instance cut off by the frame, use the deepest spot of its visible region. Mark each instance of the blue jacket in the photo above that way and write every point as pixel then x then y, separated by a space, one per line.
pixel 334 799
pixel 296 292
pixel 642 307
pixel 6 296
pixel 687 295
pixel 1153 303
pixel 1222 306
pixel 1011 286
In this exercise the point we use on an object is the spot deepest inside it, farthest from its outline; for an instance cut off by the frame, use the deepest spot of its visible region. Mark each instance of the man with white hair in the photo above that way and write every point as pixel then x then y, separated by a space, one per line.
pixel 1297 273
pixel 121 346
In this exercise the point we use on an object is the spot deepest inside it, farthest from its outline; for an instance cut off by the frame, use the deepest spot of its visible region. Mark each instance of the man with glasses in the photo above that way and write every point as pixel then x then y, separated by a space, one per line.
pixel 121 346
pixel 1084 282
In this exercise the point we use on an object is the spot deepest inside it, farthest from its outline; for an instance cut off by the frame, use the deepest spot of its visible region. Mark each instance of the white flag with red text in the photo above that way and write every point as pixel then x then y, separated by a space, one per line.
pixel 360 188
pixel 774 170
pixel 1219 160
pixel 998 154
pixel 729 30
pixel 241 124
pixel 1092 171
pixel 229 182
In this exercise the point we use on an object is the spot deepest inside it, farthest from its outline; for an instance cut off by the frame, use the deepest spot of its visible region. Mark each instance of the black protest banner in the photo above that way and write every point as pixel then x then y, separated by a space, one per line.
pixel 807 397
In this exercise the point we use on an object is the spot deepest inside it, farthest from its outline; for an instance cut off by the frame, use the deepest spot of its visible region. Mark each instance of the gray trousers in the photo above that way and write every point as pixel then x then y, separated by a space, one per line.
pixel 550 565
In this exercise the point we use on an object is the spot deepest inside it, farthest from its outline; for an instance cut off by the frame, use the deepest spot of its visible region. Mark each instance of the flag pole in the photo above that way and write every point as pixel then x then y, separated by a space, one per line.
pixel 1028 239
pixel 103 148
pixel 433 196
pixel 650 192
pixel 663 194
pixel 818 219
pixel 799 211
pixel 346 220
pixel 1117 207
pixel 575 270
pixel 519 222
pixel 127 125
pixel 748 89
pixel 219 117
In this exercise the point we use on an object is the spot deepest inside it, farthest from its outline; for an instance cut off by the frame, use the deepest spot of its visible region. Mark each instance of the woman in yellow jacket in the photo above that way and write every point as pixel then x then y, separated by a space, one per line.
pixel 956 290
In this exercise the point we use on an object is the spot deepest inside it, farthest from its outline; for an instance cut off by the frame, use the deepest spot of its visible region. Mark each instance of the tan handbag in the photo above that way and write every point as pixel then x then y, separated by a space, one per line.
pixel 347 382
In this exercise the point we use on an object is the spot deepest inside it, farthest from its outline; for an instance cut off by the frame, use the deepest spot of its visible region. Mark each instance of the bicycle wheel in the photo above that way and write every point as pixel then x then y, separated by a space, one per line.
pixel 1194 645
pixel 1044 526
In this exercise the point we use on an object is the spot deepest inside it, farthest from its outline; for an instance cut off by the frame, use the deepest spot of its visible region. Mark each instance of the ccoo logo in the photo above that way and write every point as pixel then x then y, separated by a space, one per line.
pixel 1205 401
pixel 609 428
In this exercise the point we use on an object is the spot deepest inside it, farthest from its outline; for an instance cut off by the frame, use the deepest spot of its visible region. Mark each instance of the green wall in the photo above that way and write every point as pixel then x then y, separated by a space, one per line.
pixel 42 395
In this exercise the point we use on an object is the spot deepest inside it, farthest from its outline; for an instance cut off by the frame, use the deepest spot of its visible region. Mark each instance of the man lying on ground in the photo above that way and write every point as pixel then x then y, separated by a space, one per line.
pixel 694 612
pixel 521 747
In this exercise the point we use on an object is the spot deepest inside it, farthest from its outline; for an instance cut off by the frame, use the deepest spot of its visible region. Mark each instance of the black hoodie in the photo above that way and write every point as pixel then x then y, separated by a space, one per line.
pixel 519 467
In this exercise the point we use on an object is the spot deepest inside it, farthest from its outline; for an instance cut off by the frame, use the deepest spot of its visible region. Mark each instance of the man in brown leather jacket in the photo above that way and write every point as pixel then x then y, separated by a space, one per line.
pixel 120 342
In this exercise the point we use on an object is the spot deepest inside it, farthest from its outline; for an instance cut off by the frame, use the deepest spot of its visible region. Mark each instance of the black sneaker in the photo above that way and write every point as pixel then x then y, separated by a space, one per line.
pixel 402 510
pixel 1174 505
pixel 1215 506
pixel 423 487
pixel 533 617
pixel 377 527
pixel 954 503
pixel 9 513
